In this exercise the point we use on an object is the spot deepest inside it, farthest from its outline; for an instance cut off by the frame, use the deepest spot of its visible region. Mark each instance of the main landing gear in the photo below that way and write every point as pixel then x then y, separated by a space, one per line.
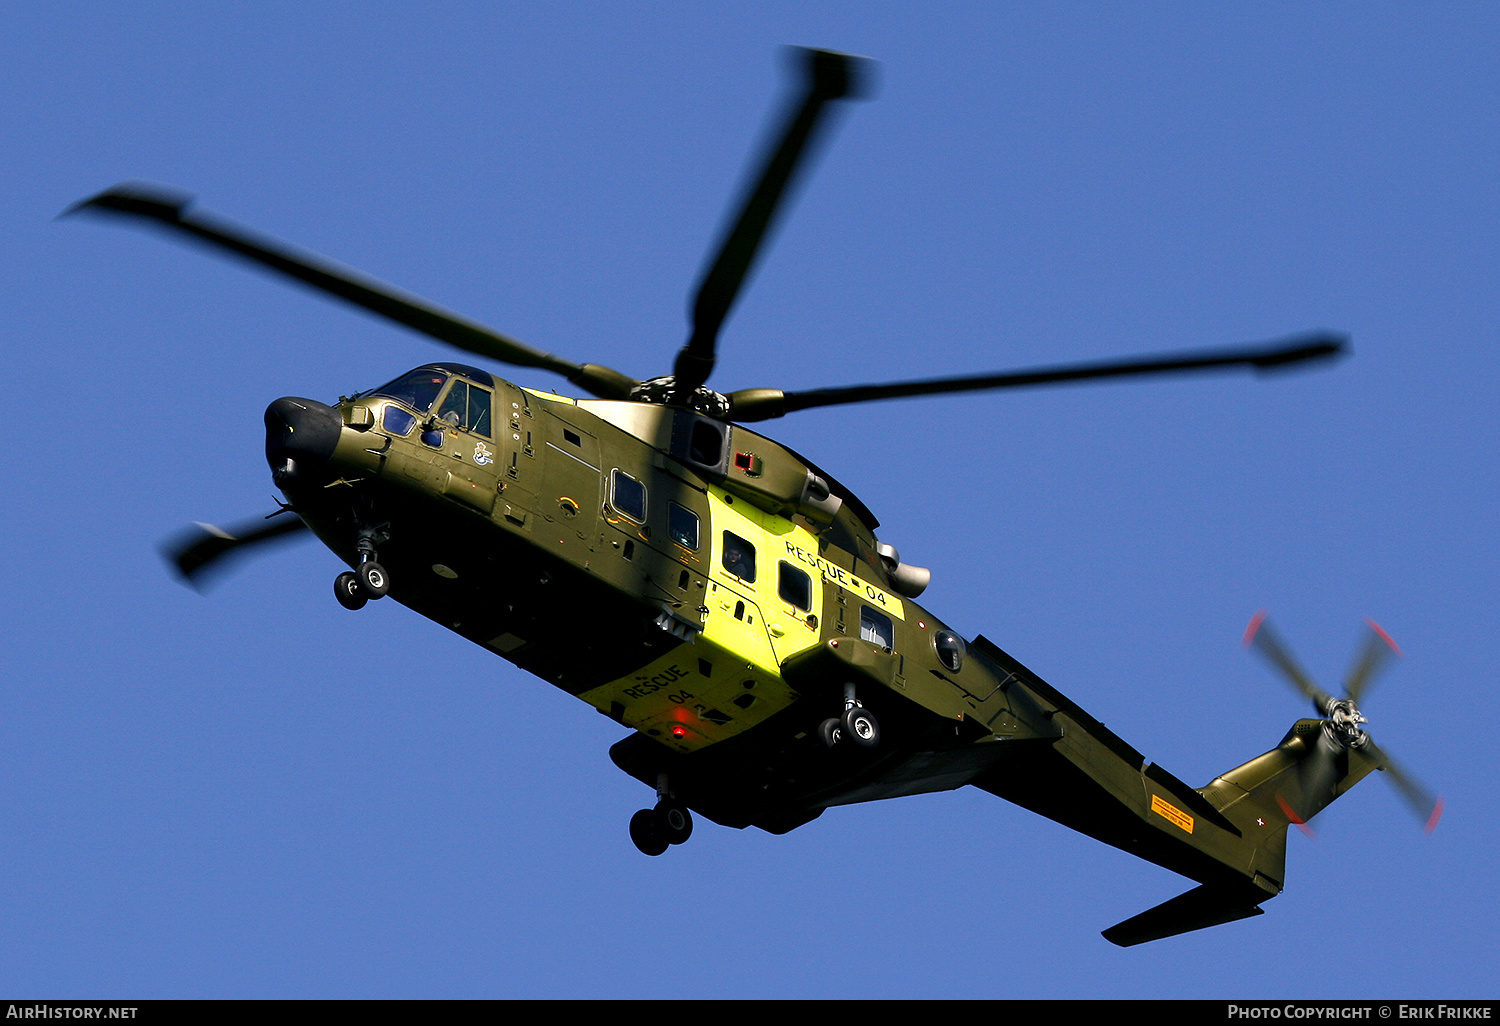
pixel 857 724
pixel 367 581
pixel 657 829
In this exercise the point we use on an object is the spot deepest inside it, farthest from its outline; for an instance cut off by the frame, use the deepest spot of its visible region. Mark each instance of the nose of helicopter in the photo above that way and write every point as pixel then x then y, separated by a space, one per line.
pixel 301 435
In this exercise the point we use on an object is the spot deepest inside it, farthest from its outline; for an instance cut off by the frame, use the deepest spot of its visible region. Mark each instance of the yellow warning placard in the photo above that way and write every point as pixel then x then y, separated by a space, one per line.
pixel 1171 813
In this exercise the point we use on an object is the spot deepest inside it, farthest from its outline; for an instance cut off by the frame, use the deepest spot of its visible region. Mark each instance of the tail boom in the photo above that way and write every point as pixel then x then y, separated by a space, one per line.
pixel 1229 836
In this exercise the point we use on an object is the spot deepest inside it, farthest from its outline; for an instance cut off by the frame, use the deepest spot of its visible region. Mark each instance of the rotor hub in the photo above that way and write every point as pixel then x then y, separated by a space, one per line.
pixel 1343 723
pixel 664 391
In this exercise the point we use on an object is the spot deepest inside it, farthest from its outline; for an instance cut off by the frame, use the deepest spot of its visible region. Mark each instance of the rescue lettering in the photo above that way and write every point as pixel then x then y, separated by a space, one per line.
pixel 651 685
pixel 843 578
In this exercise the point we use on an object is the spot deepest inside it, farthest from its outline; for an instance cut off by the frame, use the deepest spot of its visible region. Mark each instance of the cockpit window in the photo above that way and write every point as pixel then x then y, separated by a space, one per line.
pixel 397 421
pixel 467 406
pixel 416 390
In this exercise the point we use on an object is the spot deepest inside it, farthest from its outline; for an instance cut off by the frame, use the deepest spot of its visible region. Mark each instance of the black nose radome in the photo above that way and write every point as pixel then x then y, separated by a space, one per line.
pixel 301 435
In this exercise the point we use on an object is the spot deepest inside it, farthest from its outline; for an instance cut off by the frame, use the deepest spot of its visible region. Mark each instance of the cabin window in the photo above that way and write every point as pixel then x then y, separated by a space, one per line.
pixel 467 406
pixel 795 587
pixel 682 525
pixel 739 557
pixel 950 649
pixel 876 626
pixel 417 389
pixel 628 496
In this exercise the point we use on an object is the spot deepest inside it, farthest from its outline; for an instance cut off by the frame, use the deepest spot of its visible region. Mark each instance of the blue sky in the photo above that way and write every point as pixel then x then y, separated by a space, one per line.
pixel 256 793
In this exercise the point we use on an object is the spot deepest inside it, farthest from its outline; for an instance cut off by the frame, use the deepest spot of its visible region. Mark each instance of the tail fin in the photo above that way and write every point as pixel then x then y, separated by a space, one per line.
pixel 1289 784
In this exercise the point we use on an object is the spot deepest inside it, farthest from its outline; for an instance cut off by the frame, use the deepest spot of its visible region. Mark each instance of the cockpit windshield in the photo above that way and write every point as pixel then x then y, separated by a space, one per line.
pixel 467 406
pixel 417 389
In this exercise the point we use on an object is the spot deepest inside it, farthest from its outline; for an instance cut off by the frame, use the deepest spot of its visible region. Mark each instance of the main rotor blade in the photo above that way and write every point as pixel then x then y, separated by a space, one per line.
pixel 1265 641
pixel 766 403
pixel 201 552
pixel 170 209
pixel 828 76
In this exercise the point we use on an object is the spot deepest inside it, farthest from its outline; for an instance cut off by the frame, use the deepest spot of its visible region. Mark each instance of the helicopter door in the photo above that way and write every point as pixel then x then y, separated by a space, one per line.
pixel 734 618
pixel 769 600
pixel 792 615
pixel 463 433
pixel 572 478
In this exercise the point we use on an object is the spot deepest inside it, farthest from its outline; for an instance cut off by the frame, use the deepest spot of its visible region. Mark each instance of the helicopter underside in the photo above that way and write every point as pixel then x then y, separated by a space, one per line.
pixel 581 634
pixel 453 568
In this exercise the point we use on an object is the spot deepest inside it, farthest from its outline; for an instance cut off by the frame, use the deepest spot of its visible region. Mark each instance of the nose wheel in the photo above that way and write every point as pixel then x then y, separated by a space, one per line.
pixel 373 579
pixel 349 592
pixel 367 581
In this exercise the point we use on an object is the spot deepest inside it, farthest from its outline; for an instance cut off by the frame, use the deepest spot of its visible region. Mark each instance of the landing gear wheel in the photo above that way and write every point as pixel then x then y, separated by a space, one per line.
pixel 644 833
pixel 831 732
pixel 860 727
pixel 349 592
pixel 373 579
pixel 673 822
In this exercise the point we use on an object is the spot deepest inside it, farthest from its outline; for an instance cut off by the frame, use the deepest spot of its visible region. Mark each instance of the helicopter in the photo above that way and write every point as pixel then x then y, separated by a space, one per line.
pixel 725 599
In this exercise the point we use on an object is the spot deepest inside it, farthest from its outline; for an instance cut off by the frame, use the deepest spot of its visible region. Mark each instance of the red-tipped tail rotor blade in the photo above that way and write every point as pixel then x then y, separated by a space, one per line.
pixel 1376 652
pixel 1291 814
pixel 1426 806
pixel 1259 636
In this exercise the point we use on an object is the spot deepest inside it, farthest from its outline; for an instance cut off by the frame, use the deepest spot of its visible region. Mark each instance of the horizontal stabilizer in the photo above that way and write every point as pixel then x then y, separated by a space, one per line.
pixel 1199 908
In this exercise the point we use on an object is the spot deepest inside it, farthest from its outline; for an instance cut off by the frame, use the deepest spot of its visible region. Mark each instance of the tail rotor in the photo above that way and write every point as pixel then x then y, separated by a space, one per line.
pixel 1342 724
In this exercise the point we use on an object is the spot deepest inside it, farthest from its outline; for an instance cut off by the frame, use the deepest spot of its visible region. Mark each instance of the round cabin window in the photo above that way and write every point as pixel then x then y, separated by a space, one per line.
pixel 950 649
